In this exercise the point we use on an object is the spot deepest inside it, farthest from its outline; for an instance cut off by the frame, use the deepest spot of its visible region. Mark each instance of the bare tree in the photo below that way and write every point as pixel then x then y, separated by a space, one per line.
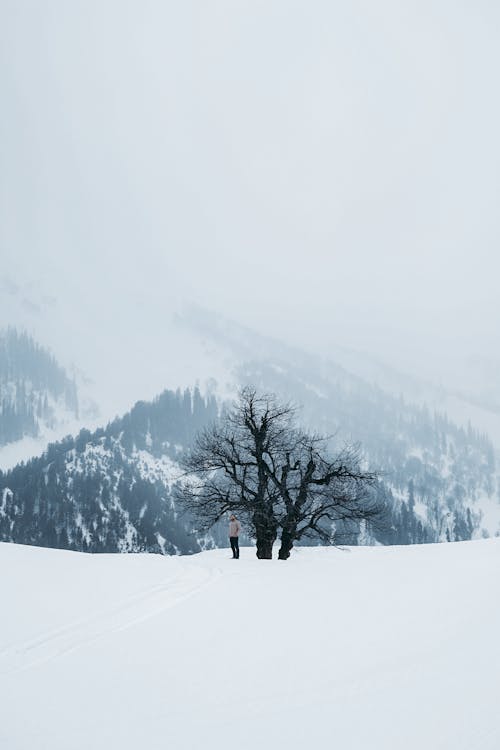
pixel 257 462
pixel 319 492
pixel 229 461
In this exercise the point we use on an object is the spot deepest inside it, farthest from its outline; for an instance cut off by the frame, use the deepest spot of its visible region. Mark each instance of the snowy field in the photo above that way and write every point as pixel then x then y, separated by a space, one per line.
pixel 378 648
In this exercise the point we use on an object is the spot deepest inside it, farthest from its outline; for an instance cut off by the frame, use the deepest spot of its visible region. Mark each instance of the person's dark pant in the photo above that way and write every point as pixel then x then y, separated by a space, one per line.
pixel 235 546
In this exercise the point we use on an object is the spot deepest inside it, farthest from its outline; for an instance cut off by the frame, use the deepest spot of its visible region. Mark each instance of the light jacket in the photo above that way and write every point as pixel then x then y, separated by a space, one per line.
pixel 234 528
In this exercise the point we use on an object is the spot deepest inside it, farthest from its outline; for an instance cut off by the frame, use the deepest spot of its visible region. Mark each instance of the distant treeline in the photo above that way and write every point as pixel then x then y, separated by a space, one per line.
pixel 32 384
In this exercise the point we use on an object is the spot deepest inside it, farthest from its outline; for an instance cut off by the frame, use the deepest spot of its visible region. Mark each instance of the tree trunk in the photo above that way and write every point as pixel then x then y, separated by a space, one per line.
pixel 265 538
pixel 265 548
pixel 287 540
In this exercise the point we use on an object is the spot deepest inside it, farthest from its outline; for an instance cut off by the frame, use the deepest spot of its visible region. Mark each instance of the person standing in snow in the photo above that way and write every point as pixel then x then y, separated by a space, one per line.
pixel 234 532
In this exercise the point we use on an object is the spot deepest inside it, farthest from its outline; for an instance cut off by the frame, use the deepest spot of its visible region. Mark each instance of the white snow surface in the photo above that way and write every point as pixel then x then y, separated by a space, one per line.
pixel 378 648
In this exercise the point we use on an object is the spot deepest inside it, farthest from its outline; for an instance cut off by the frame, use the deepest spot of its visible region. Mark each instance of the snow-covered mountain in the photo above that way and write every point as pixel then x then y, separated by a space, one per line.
pixel 35 392
pixel 38 399
pixel 382 648
pixel 440 470
pixel 110 490
pixel 475 404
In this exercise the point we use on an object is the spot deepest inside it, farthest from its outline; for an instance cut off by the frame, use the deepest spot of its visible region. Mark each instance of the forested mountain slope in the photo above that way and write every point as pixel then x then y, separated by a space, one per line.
pixel 438 479
pixel 35 391
pixel 110 490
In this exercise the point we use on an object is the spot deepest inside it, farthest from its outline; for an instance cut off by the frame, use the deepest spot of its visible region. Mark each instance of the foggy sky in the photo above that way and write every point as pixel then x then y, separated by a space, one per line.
pixel 327 172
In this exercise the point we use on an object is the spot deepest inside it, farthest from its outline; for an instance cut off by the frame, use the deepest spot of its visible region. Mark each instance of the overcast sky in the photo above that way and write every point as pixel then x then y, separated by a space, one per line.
pixel 326 171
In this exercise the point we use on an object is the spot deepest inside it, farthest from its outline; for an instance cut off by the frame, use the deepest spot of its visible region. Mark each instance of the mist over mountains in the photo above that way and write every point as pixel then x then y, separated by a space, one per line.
pixel 112 488
pixel 33 389
pixel 310 176
pixel 249 263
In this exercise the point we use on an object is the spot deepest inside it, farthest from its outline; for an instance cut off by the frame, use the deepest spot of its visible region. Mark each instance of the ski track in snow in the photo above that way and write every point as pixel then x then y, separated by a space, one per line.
pixel 124 614
pixel 405 638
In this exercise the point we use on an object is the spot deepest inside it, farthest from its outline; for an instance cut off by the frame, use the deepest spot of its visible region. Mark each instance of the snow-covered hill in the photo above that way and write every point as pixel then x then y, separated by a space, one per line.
pixel 441 478
pixel 113 490
pixel 38 399
pixel 110 490
pixel 431 444
pixel 381 648
pixel 476 405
